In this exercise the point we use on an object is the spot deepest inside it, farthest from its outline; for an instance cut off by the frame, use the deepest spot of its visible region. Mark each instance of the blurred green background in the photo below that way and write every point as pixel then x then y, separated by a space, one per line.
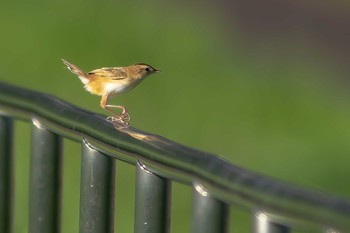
pixel 263 84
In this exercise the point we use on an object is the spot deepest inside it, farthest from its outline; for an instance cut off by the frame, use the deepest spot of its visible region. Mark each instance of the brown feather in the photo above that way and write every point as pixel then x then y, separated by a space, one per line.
pixel 115 73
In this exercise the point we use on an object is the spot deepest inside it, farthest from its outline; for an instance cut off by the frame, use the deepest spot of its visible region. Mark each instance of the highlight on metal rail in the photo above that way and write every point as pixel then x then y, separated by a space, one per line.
pixel 275 206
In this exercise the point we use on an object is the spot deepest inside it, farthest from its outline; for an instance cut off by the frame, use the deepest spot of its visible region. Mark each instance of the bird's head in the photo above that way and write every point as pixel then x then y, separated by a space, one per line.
pixel 143 70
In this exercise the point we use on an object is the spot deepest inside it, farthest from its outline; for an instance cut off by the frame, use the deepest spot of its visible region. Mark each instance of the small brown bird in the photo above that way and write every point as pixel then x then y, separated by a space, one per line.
pixel 108 82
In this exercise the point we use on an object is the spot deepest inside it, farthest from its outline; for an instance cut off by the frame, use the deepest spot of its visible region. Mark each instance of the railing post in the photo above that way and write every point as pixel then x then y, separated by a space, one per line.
pixel 45 181
pixel 209 215
pixel 152 204
pixel 6 176
pixel 262 224
pixel 96 191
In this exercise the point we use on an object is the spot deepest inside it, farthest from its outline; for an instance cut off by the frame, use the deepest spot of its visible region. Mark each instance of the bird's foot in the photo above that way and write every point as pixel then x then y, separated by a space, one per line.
pixel 126 117
pixel 120 121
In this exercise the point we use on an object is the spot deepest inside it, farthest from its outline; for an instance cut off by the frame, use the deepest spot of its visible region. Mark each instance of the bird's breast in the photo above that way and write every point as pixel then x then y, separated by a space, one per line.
pixel 115 87
pixel 119 86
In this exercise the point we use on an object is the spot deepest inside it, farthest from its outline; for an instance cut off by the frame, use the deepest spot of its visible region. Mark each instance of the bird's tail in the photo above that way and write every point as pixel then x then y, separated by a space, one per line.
pixel 84 78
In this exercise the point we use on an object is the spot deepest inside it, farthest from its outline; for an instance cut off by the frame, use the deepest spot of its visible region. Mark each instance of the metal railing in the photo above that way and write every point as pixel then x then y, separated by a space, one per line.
pixel 275 206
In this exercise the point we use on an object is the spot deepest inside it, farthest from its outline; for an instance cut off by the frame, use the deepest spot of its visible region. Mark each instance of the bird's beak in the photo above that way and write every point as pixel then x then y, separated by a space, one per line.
pixel 156 71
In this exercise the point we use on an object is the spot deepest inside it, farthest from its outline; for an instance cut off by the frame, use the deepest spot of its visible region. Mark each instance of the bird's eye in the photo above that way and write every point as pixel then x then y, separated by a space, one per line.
pixel 148 69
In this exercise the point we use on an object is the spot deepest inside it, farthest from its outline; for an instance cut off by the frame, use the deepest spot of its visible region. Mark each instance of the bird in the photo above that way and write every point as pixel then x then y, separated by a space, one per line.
pixel 111 81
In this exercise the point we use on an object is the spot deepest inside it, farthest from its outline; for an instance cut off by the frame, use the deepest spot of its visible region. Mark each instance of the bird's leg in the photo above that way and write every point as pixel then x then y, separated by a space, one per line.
pixel 124 117
pixel 125 114
pixel 103 103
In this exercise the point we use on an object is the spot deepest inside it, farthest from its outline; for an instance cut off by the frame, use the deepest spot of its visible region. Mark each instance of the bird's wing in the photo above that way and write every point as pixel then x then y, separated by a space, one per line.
pixel 115 73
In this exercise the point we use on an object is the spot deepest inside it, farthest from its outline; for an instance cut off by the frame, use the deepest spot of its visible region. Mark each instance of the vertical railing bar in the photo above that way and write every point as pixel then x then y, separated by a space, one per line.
pixel 208 213
pixel 263 224
pixel 152 202
pixel 45 180
pixel 96 191
pixel 6 175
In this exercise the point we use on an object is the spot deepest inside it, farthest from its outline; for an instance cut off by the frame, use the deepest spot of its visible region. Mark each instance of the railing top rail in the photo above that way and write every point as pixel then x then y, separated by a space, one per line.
pixel 282 201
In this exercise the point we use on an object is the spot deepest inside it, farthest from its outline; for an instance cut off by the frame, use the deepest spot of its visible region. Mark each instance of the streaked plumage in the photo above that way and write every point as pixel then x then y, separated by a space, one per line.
pixel 109 81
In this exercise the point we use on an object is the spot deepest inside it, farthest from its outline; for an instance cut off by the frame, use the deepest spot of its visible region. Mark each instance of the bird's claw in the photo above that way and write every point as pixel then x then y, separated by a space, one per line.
pixel 126 116
pixel 120 121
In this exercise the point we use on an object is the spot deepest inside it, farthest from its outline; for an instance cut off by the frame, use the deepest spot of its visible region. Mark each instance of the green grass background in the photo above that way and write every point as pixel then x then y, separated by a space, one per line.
pixel 280 108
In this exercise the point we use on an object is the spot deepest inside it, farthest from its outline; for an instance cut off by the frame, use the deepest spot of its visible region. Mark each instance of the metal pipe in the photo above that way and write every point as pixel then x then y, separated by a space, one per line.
pixel 96 191
pixel 6 174
pixel 263 224
pixel 152 204
pixel 45 181
pixel 166 158
pixel 209 215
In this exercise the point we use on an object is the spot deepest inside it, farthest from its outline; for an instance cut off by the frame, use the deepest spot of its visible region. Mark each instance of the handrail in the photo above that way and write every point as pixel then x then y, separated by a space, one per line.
pixel 280 201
